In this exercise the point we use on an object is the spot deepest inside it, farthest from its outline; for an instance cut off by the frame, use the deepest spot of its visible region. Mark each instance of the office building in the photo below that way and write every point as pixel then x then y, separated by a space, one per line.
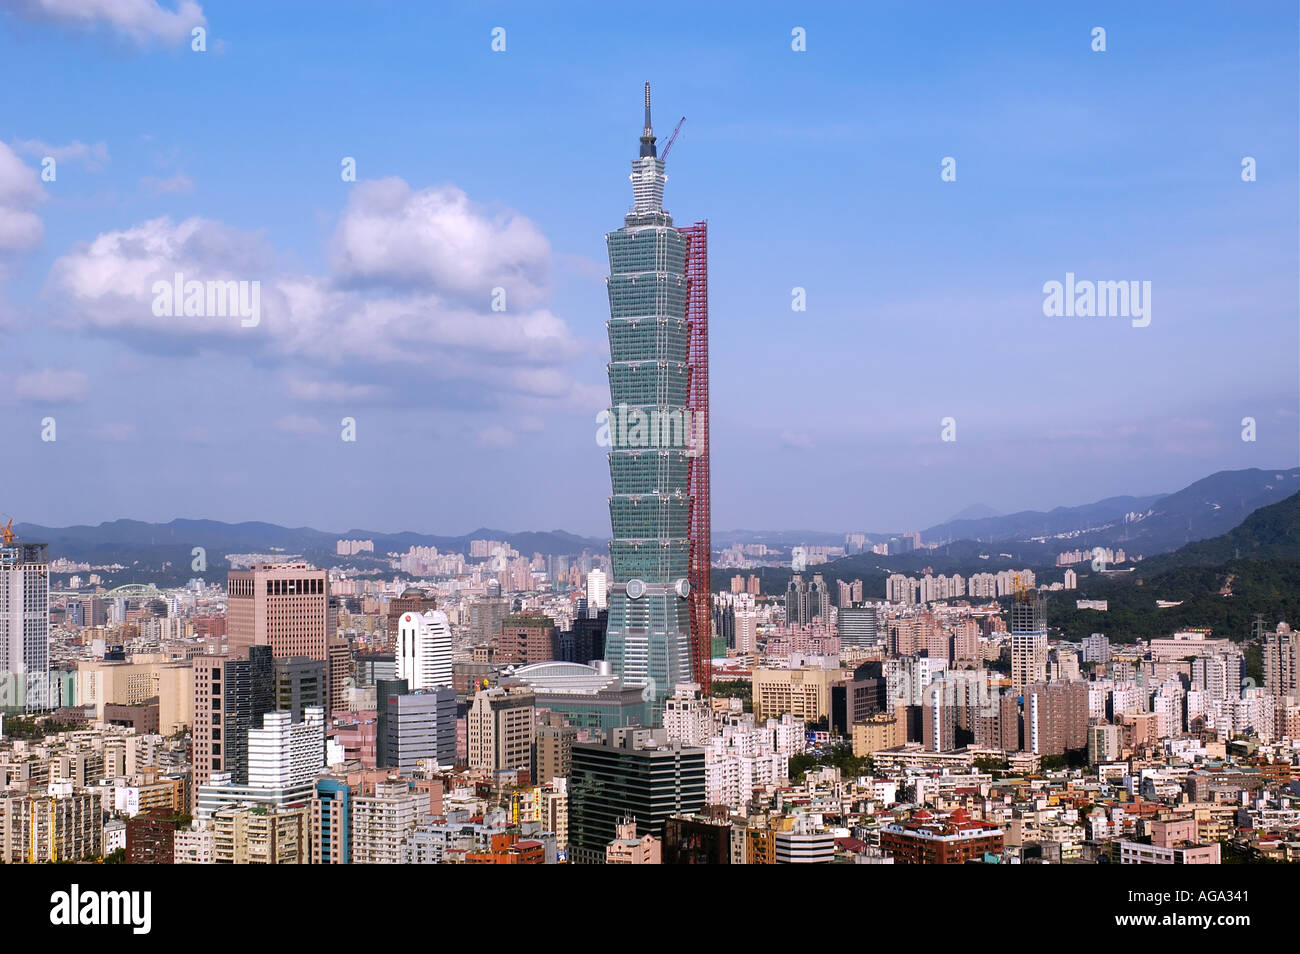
pixel 856 626
pixel 424 649
pixel 299 684
pixel 285 606
pixel 499 729
pixel 231 696
pixel 331 822
pixel 633 773
pixel 806 601
pixel 420 726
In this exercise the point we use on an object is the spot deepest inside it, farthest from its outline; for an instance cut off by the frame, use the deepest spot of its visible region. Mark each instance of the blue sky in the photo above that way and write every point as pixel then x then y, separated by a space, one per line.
pixel 478 169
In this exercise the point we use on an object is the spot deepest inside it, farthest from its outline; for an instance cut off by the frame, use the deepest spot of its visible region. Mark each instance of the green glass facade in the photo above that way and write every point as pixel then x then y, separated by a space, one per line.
pixel 648 640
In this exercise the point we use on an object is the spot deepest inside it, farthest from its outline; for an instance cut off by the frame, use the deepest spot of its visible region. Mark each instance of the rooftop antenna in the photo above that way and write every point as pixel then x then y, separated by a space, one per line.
pixel 647 134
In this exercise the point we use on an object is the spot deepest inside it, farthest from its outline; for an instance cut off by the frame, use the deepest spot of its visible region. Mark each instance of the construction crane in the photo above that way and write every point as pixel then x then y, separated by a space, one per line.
pixel 672 139
pixel 7 532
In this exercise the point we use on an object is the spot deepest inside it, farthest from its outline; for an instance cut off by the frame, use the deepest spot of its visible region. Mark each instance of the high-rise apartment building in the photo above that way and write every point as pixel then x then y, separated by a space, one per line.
pixel 1056 717
pixel 381 821
pixel 526 638
pixel 24 626
pixel 554 749
pixel 284 754
pixel 1280 655
pixel 424 650
pixel 648 642
pixel 1028 628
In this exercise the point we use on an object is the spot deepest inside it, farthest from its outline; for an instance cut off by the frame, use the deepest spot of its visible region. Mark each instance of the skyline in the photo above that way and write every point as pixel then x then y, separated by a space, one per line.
pixel 813 169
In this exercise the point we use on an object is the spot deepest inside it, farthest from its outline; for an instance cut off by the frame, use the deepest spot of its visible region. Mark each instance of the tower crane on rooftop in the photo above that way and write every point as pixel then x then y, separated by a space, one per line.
pixel 672 139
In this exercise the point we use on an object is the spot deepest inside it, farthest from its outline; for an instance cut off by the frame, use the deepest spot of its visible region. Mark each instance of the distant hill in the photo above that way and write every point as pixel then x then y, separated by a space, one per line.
pixel 1222 583
pixel 1206 508
pixel 151 545
pixel 977 511
pixel 1271 532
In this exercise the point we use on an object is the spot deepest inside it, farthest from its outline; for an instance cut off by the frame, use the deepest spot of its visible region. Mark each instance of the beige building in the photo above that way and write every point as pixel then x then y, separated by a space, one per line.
pixel 804 693
pixel 500 728
pixel 64 825
pixel 261 836
pixel 885 730
pixel 143 677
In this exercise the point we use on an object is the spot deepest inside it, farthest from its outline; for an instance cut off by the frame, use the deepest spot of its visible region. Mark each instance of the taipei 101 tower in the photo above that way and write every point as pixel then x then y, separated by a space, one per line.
pixel 658 444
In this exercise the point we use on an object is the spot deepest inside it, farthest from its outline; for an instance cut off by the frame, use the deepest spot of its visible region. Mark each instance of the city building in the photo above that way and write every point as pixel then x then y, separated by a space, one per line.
pixel 499 729
pixel 285 606
pixel 633 773
pixel 1028 627
pixel 424 649
pixel 24 626
pixel 648 642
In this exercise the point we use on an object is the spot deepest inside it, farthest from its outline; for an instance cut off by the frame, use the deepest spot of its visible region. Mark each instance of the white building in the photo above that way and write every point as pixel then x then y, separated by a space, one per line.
pixel 24 626
pixel 380 823
pixel 597 591
pixel 424 650
pixel 284 754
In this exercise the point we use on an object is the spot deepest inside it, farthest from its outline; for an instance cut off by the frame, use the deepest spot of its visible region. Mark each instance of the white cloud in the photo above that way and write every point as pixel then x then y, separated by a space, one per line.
pixel 51 387
pixel 20 193
pixel 174 184
pixel 140 21
pixel 93 156
pixel 427 329
pixel 437 238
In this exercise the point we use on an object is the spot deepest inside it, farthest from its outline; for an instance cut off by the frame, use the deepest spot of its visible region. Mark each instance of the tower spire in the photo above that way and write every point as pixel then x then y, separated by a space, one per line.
pixel 647 134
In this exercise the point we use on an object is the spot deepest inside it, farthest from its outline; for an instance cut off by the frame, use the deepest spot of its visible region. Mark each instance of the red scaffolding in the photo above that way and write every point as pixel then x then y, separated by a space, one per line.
pixel 700 564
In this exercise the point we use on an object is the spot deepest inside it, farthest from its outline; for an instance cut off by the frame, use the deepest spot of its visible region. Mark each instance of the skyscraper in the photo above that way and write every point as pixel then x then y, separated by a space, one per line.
pixel 649 638
pixel 284 606
pixel 24 625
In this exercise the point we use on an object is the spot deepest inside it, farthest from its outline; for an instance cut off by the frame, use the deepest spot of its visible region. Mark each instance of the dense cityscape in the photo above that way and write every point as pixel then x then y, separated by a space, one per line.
pixel 1101 676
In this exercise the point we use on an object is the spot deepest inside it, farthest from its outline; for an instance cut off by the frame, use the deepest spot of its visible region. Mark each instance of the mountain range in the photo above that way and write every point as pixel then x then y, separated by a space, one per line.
pixel 1148 525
